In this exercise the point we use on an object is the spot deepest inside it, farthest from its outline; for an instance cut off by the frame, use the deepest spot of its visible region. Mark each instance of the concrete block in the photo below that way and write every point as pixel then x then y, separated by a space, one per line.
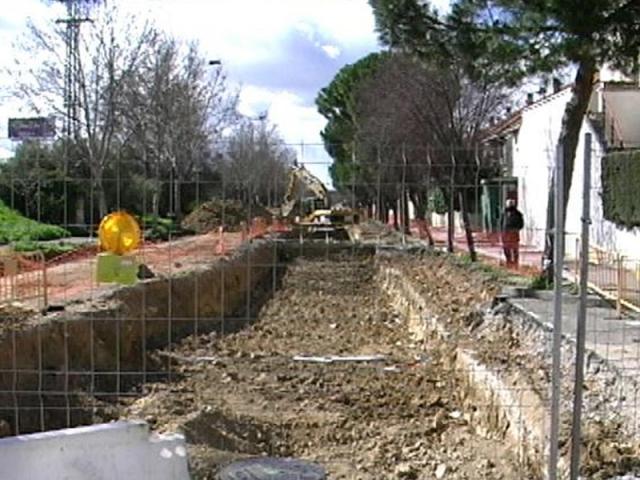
pixel 112 451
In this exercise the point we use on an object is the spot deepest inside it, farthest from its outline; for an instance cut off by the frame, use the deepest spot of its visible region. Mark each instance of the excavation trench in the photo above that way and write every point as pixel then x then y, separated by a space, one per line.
pixel 394 401
pixel 216 353
pixel 73 367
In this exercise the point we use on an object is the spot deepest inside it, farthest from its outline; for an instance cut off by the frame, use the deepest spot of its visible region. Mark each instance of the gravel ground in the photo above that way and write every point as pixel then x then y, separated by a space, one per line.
pixel 401 417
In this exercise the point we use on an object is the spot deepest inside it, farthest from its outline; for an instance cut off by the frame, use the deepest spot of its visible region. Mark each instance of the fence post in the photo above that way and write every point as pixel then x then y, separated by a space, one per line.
pixel 558 263
pixel 619 283
pixel 578 259
pixel 583 268
pixel 220 249
pixel 45 284
pixel 243 232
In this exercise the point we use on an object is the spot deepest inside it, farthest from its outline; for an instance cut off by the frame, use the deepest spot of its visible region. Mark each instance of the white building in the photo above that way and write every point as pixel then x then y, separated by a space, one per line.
pixel 529 139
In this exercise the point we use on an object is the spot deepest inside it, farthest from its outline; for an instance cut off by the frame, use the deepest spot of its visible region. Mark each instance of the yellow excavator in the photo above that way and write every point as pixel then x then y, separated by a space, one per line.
pixel 307 202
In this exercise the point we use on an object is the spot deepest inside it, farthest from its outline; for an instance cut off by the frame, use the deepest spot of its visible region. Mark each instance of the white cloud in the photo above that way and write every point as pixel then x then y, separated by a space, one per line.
pixel 443 6
pixel 247 31
pixel 245 34
pixel 331 50
pixel 5 153
pixel 298 123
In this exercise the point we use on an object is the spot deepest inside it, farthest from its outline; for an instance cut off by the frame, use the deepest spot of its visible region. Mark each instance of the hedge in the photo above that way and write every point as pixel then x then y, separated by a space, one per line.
pixel 621 188
pixel 14 228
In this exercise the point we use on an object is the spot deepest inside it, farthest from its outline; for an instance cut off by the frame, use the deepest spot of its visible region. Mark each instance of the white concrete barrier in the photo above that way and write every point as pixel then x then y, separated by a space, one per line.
pixel 112 451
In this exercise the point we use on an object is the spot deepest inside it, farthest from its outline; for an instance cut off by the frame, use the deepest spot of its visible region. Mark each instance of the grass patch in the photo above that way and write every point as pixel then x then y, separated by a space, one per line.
pixel 541 282
pixel 16 228
pixel 491 271
pixel 50 250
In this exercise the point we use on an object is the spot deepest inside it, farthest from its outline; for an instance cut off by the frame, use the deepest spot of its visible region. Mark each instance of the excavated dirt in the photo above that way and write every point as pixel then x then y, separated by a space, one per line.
pixel 520 353
pixel 215 213
pixel 402 417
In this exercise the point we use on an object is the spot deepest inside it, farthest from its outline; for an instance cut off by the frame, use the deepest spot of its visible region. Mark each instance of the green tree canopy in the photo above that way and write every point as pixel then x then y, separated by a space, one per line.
pixel 516 38
pixel 337 103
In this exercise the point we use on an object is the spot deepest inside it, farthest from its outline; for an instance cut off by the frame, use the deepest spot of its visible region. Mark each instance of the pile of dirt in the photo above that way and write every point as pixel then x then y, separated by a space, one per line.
pixel 399 415
pixel 217 212
pixel 373 231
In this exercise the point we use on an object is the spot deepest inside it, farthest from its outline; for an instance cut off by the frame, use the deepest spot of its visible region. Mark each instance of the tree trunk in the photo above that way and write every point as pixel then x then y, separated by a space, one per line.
pixel 155 201
pixel 177 203
pixel 157 192
pixel 395 215
pixel 420 203
pixel 80 210
pixel 569 137
pixel 102 199
pixel 406 226
pixel 467 227
pixel 450 220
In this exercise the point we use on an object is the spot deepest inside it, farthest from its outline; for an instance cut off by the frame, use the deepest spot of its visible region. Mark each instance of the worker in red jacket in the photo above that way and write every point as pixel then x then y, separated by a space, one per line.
pixel 511 224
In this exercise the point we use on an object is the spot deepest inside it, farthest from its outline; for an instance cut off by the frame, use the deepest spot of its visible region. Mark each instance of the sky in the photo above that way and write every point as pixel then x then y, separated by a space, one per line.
pixel 280 53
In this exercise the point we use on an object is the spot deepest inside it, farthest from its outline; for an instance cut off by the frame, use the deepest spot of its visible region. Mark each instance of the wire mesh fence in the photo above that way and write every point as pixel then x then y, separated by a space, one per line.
pixel 257 334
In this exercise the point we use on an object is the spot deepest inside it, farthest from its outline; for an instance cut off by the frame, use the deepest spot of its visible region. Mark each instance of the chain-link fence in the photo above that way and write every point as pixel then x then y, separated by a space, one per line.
pixel 341 332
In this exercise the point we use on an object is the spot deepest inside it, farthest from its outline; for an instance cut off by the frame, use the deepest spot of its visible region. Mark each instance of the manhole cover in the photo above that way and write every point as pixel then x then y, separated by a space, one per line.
pixel 269 468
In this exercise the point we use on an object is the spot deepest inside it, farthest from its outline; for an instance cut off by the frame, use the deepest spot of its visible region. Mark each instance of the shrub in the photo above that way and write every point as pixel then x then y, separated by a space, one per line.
pixel 620 182
pixel 14 228
pixel 50 250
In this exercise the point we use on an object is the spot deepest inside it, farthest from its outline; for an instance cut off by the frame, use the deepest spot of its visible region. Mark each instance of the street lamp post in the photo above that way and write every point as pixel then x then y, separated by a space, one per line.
pixel 174 181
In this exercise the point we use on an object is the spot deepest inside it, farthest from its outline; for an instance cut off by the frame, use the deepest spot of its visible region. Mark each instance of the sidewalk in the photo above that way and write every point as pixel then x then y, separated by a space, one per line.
pixel 614 337
pixel 491 250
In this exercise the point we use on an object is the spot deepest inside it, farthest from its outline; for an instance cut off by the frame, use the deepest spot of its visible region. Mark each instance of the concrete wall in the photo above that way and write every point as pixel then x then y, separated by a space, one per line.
pixel 114 451
pixel 623 104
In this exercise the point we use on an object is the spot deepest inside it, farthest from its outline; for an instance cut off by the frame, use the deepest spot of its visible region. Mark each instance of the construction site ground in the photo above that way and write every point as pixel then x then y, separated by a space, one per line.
pixel 408 414
pixel 246 394
pixel 74 279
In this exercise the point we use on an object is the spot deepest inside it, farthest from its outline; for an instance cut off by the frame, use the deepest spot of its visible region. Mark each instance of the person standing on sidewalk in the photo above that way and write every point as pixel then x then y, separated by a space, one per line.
pixel 511 224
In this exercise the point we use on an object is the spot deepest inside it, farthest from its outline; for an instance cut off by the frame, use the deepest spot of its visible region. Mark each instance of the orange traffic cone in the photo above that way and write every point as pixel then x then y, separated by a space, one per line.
pixel 220 246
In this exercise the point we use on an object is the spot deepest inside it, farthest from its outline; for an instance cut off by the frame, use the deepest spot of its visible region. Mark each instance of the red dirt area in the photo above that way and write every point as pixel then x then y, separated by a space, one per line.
pixel 74 279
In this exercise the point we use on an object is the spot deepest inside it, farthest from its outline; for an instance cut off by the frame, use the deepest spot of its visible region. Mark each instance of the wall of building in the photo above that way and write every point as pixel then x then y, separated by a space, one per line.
pixel 624 106
pixel 534 160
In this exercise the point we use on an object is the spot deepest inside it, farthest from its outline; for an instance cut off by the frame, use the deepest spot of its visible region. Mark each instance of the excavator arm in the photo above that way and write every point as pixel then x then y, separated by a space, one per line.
pixel 299 175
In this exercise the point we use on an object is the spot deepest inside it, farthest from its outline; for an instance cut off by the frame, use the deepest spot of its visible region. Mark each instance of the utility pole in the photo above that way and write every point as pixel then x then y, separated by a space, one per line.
pixel 72 65
pixel 71 91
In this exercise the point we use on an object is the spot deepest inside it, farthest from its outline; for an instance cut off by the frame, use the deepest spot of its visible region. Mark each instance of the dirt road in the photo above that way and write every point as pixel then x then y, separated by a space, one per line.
pixel 75 280
pixel 401 417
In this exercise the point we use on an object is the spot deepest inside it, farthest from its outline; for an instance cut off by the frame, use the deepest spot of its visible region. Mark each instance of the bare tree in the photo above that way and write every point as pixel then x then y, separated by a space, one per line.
pixel 256 164
pixel 178 109
pixel 112 49
pixel 429 120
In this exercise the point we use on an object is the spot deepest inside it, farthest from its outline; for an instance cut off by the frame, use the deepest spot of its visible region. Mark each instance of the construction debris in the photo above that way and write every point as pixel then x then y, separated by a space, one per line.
pixel 338 358
pixel 358 423
pixel 221 213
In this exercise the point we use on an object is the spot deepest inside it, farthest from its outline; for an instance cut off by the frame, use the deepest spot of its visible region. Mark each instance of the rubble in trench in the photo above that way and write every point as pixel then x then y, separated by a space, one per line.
pixel 244 394
pixel 521 355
